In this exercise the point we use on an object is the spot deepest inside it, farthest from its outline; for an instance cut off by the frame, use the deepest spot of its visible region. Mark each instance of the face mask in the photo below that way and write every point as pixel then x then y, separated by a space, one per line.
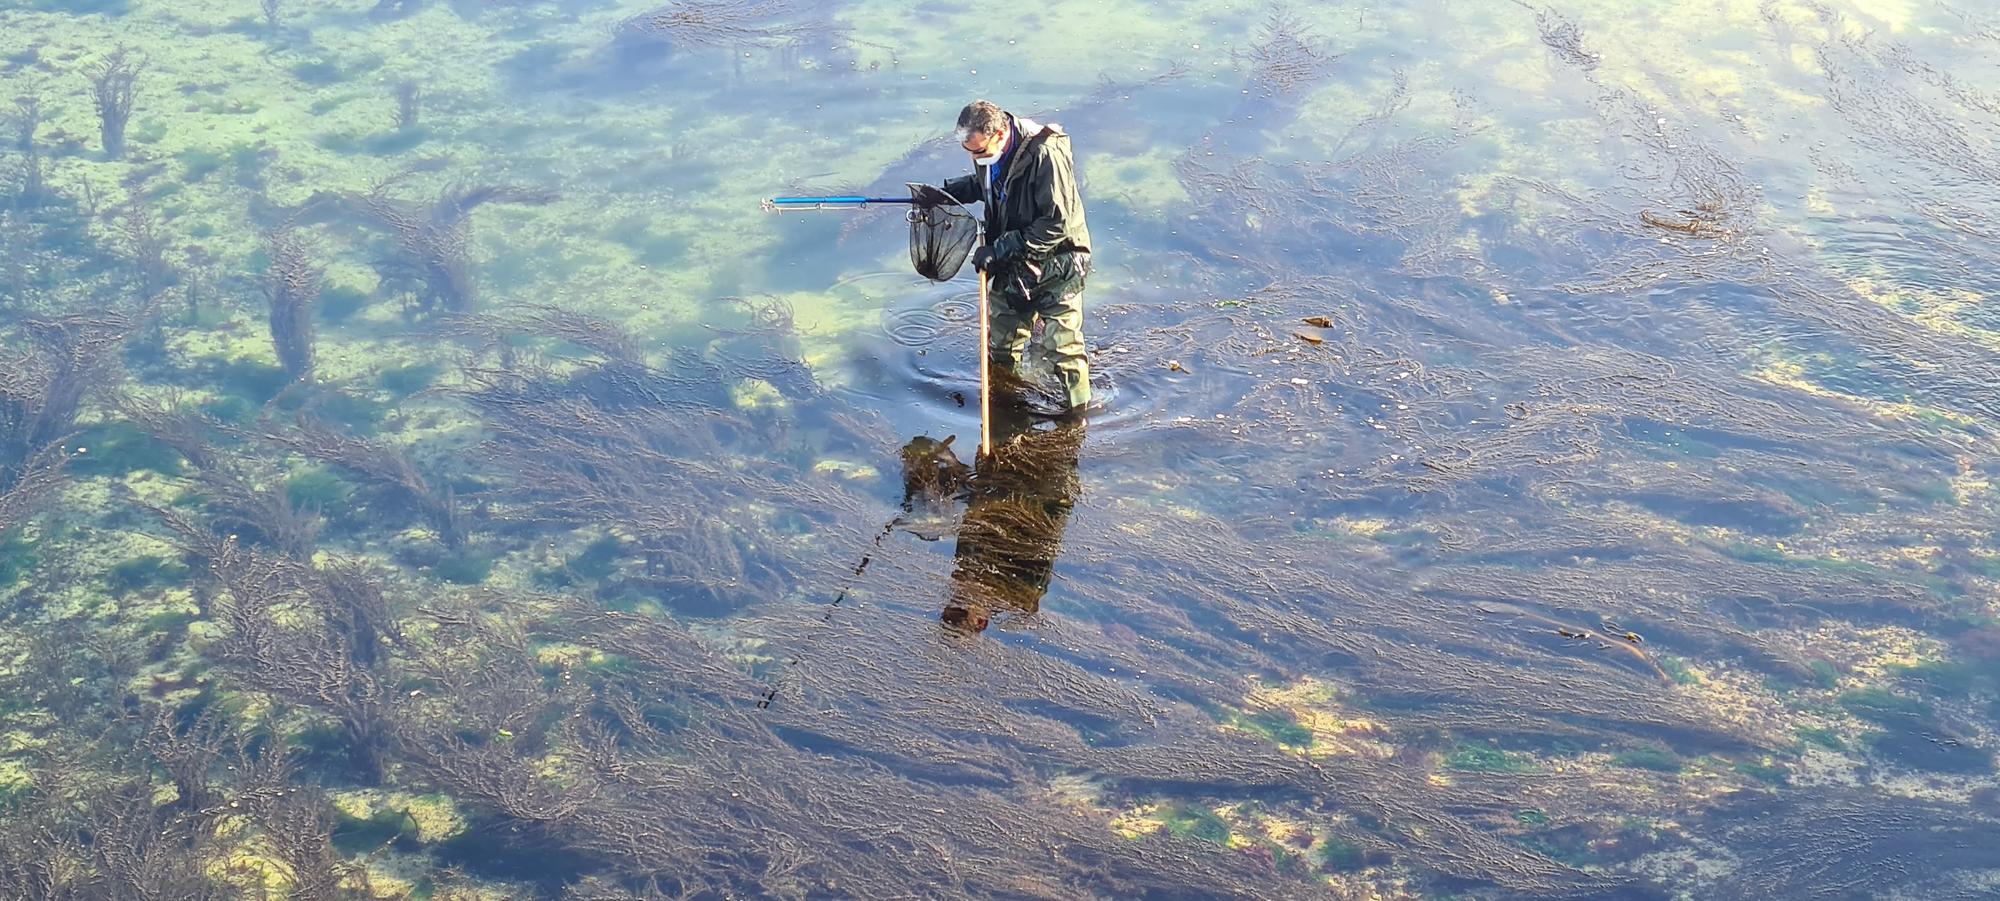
pixel 999 147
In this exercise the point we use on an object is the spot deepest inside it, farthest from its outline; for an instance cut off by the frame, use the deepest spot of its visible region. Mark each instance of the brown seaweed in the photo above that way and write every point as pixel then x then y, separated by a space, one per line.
pixel 112 82
pixel 44 385
pixel 291 291
pixel 428 259
pixel 389 467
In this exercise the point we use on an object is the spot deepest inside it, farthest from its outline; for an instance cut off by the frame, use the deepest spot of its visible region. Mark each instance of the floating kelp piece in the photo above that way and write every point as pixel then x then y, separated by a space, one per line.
pixel 112 80
pixel 1701 223
pixel 1628 656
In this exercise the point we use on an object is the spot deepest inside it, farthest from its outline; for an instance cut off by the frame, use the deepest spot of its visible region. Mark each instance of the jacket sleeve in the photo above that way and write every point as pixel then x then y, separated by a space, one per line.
pixel 964 189
pixel 1055 198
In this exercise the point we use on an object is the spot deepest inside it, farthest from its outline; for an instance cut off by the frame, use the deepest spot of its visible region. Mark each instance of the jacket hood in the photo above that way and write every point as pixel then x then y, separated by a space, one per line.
pixel 1029 128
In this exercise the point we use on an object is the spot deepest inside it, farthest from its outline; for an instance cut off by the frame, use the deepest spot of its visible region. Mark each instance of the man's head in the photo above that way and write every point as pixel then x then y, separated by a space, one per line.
pixel 982 129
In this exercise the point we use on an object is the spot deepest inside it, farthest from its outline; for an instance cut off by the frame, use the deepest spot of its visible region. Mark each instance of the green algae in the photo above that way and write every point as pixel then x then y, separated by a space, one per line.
pixel 339 303
pixel 1949 679
pixel 1821 737
pixel 372 819
pixel 597 560
pixel 120 448
pixel 1677 670
pixel 1475 758
pixel 1911 733
pixel 469 567
pixel 1337 855
pixel 148 572
pixel 1767 773
pixel 1280 726
pixel 1197 822
pixel 380 828
pixel 410 378
pixel 251 381
pixel 1657 759
pixel 17 557
pixel 321 489
pixel 1883 706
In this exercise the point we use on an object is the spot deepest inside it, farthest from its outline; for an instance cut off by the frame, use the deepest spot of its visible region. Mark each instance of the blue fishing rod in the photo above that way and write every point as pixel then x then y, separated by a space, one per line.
pixel 829 203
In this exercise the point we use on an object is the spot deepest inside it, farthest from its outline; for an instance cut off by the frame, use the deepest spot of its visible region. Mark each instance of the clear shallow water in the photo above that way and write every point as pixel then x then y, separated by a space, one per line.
pixel 1623 532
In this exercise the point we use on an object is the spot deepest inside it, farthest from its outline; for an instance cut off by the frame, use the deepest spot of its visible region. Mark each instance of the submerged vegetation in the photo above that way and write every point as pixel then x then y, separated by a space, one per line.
pixel 112 84
pixel 1574 499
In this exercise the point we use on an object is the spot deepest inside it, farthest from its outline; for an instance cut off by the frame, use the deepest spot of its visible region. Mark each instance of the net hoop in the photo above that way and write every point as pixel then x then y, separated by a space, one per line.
pixel 942 233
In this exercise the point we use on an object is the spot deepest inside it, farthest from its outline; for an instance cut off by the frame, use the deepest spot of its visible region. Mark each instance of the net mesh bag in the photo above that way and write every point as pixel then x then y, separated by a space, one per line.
pixel 942 233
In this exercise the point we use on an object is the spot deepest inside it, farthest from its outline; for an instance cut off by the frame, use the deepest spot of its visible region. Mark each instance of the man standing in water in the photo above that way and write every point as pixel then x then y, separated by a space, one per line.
pixel 1038 250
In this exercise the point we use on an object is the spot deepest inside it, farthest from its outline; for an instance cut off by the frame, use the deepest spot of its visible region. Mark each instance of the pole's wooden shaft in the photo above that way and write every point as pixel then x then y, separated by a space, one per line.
pixel 985 384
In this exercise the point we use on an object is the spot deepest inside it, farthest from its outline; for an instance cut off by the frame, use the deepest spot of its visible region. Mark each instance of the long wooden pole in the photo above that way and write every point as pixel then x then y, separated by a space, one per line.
pixel 985 383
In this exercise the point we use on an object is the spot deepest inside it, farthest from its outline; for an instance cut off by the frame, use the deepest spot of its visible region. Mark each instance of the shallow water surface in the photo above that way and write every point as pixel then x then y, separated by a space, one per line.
pixel 1543 451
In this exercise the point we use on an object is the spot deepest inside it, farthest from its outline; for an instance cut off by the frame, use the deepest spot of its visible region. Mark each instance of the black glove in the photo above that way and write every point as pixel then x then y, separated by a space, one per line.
pixel 982 257
pixel 1008 246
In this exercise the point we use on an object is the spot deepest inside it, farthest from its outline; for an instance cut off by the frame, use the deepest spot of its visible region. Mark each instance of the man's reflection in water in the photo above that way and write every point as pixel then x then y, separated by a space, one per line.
pixel 1017 504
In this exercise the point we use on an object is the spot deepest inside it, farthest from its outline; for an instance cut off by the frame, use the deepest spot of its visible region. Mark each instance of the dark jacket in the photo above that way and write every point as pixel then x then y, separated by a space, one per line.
pixel 1041 212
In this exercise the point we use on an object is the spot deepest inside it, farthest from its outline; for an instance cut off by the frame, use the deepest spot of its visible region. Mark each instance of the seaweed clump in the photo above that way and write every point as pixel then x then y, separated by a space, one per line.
pixel 112 83
pixel 43 386
pixel 291 292
pixel 307 635
pixel 388 467
pixel 1286 57
pixel 27 120
pixel 137 799
pixel 1565 39
pixel 429 261
pixel 240 499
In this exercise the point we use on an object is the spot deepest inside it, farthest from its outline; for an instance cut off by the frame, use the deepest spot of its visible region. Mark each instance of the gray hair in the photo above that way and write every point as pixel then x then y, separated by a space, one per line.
pixel 982 117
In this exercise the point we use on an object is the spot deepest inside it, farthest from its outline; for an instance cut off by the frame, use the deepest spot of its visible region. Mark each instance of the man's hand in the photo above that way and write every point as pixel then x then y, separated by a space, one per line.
pixel 1008 245
pixel 982 257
